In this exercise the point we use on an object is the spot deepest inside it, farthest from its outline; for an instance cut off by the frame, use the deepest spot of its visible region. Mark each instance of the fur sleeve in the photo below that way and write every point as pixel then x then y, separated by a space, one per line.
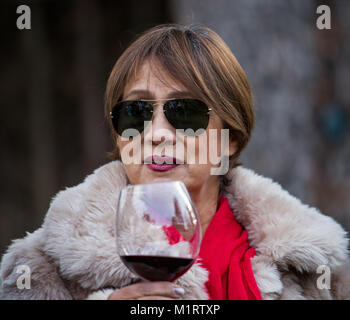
pixel 340 282
pixel 45 282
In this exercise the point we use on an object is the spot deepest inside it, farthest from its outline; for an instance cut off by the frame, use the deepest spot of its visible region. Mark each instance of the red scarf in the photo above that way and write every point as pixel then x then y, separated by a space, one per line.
pixel 226 254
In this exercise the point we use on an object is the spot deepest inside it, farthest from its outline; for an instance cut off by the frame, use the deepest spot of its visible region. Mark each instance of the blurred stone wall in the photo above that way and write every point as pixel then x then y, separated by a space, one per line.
pixel 300 81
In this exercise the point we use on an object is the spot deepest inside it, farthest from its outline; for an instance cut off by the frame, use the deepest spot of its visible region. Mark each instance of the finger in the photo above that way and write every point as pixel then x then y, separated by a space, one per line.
pixel 141 289
pixel 155 298
pixel 158 288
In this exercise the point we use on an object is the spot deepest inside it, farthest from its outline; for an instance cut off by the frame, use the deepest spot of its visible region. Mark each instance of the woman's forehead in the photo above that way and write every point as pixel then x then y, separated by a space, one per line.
pixel 153 80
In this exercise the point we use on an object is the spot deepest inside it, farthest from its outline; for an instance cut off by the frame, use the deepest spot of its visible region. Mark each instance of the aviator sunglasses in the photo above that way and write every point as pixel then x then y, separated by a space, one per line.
pixel 184 113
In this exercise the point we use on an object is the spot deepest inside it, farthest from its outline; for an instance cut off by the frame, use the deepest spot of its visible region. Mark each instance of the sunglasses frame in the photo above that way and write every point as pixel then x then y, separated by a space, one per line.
pixel 153 104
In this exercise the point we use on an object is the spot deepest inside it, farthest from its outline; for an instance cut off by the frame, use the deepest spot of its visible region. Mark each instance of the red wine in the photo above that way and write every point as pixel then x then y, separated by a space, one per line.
pixel 157 268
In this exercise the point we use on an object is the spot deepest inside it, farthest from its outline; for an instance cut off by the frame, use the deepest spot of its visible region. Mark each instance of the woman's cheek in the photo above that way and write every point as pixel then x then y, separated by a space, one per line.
pixel 130 150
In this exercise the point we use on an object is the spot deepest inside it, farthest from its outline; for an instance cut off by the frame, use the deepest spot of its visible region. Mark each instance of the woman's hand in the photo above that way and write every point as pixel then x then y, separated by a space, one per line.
pixel 160 290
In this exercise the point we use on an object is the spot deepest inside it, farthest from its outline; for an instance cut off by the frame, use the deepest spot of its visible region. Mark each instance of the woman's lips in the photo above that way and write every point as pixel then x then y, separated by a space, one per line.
pixel 161 163
pixel 161 167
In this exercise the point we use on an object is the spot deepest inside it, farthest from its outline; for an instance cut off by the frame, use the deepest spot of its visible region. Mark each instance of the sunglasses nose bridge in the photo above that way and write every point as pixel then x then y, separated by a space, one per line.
pixel 159 104
pixel 159 120
pixel 161 130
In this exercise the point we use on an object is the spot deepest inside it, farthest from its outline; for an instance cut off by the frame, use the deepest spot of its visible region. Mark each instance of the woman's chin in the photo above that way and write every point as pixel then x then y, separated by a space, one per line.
pixel 161 180
pixel 157 176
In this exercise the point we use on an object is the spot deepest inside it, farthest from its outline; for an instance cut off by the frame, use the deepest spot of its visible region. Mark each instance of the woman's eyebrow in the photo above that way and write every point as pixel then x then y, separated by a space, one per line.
pixel 146 94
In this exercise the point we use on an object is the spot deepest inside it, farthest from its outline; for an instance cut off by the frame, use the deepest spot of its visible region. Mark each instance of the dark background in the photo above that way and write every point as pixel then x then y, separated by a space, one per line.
pixel 53 77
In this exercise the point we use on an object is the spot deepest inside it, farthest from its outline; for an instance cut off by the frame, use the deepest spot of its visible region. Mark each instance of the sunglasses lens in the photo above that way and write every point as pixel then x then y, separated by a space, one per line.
pixel 187 114
pixel 131 115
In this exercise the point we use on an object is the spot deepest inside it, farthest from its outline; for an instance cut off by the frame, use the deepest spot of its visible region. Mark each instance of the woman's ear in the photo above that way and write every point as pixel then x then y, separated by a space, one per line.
pixel 232 147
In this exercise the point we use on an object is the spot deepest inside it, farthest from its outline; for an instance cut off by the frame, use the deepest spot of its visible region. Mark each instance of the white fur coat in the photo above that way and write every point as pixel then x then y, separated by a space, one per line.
pixel 73 254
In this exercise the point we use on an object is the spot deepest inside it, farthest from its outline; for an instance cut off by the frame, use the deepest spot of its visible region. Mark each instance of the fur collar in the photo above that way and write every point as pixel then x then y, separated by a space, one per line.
pixel 79 232
pixel 291 234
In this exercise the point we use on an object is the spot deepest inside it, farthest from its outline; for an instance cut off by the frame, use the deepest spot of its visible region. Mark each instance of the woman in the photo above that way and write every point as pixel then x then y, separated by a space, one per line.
pixel 259 241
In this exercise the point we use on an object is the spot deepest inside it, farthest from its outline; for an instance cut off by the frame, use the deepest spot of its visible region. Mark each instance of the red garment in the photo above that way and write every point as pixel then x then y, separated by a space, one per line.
pixel 226 254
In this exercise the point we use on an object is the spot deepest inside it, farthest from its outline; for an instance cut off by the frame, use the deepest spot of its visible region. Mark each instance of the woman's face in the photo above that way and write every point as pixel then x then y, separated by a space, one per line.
pixel 162 140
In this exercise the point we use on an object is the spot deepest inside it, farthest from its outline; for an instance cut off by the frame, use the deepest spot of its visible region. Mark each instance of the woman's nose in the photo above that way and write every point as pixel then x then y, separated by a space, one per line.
pixel 160 130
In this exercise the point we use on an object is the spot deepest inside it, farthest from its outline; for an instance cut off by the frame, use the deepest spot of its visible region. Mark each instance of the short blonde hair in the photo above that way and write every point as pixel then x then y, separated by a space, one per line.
pixel 199 59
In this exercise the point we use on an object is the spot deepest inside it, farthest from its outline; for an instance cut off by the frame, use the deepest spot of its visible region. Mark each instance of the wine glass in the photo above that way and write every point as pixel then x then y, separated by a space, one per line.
pixel 158 233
